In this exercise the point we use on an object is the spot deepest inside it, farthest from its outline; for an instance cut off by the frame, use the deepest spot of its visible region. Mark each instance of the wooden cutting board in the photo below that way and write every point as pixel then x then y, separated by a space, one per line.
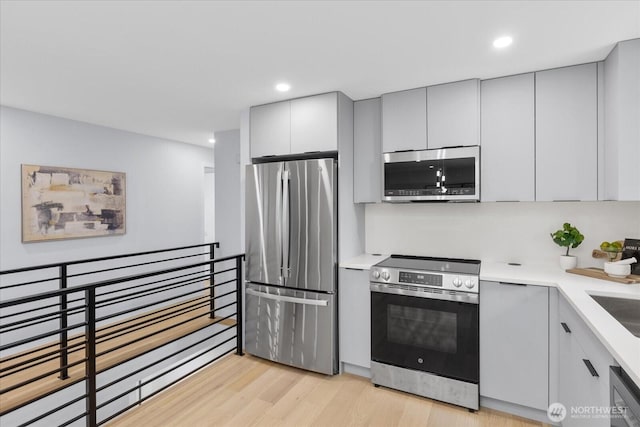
pixel 598 273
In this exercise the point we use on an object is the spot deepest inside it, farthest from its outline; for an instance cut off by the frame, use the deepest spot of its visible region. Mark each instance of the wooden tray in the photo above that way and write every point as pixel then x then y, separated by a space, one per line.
pixel 598 273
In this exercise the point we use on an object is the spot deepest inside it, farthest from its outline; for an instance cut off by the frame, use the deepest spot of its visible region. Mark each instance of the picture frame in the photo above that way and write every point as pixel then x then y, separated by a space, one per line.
pixel 68 203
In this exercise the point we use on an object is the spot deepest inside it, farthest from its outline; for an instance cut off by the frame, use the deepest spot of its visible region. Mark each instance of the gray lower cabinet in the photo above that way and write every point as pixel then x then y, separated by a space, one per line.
pixel 514 343
pixel 355 317
pixel 583 374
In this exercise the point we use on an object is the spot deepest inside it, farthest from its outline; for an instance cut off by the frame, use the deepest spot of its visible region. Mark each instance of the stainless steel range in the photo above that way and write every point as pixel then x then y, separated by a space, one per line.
pixel 425 327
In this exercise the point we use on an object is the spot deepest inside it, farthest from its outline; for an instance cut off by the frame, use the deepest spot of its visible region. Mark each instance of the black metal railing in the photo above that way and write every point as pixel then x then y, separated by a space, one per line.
pixel 94 349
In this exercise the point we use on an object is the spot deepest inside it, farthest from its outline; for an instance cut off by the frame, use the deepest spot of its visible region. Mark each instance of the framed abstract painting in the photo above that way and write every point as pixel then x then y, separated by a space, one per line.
pixel 66 203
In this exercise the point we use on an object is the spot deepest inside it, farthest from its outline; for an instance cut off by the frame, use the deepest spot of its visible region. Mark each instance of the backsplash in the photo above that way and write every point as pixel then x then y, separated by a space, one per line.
pixel 507 231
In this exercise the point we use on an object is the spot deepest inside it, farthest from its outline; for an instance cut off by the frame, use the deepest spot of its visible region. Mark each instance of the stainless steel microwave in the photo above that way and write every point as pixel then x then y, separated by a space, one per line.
pixel 446 174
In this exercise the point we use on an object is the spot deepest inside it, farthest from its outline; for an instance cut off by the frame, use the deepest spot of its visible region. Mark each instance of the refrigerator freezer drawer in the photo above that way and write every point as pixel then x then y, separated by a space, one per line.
pixel 296 328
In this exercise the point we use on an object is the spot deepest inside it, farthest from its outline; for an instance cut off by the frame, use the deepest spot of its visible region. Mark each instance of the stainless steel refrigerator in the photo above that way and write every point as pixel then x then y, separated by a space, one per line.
pixel 291 274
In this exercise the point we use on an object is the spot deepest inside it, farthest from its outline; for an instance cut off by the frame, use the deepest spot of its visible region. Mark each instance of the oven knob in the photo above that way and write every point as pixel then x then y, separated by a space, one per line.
pixel 457 282
pixel 470 283
pixel 376 274
pixel 385 275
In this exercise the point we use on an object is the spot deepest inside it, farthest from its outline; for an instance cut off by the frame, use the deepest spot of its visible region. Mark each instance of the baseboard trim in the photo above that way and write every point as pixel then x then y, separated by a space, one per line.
pixel 515 409
pixel 361 371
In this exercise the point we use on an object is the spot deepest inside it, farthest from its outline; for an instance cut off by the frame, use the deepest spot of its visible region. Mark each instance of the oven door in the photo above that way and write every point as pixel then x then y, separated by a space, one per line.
pixel 439 335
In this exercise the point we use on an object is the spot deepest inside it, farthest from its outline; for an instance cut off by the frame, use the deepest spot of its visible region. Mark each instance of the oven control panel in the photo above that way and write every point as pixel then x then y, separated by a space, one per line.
pixel 450 281
pixel 420 278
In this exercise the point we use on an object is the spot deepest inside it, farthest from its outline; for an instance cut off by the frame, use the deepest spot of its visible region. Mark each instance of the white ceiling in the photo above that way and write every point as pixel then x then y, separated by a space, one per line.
pixel 180 70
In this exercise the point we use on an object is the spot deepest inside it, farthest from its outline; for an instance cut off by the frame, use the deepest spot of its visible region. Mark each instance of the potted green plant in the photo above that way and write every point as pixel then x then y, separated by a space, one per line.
pixel 569 237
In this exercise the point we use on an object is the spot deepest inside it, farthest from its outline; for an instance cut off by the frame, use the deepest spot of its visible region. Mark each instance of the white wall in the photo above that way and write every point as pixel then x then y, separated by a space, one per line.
pixel 164 185
pixel 245 159
pixel 209 205
pixel 228 193
pixel 511 232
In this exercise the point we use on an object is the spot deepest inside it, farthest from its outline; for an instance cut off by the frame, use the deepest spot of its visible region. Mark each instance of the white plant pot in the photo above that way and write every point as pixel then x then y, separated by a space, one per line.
pixel 568 262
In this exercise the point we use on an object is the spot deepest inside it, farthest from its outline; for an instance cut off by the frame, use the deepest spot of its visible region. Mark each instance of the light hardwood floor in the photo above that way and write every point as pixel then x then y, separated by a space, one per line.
pixel 248 391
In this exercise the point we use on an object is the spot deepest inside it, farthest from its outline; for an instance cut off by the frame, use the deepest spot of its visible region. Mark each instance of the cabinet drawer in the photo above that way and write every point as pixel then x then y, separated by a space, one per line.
pixel 580 333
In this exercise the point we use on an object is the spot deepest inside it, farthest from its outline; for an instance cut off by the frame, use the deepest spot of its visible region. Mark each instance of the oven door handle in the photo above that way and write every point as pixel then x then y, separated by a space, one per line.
pixel 284 298
pixel 453 296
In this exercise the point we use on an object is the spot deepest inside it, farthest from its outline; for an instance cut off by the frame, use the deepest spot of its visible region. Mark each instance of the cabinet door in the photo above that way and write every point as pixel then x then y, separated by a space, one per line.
pixel 355 317
pixel 583 370
pixel 367 146
pixel 622 133
pixel 270 129
pixel 314 123
pixel 404 120
pixel 583 385
pixel 567 134
pixel 453 114
pixel 508 139
pixel 569 391
pixel 514 343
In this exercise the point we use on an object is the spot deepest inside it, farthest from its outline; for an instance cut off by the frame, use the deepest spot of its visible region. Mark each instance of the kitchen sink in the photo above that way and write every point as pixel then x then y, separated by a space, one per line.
pixel 624 310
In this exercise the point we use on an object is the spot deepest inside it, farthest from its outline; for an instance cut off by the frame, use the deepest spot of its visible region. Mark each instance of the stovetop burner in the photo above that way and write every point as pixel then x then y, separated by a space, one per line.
pixel 445 265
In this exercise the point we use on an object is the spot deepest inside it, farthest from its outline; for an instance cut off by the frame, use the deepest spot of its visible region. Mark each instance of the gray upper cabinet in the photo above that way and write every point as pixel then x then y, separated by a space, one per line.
pixel 314 123
pixel 404 120
pixel 453 112
pixel 508 139
pixel 297 126
pixel 621 129
pixel 367 146
pixel 514 343
pixel 567 133
pixel 270 132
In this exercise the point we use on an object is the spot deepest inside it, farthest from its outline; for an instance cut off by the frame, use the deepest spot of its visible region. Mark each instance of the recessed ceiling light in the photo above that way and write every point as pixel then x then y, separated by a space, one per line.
pixel 283 87
pixel 212 140
pixel 502 42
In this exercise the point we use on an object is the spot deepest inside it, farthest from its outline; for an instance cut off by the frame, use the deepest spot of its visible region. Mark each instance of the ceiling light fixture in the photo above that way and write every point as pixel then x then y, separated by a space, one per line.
pixel 283 87
pixel 502 42
pixel 212 140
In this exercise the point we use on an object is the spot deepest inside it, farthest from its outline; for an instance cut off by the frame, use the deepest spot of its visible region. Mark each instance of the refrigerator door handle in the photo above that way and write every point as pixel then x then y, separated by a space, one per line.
pixel 278 224
pixel 286 225
pixel 305 301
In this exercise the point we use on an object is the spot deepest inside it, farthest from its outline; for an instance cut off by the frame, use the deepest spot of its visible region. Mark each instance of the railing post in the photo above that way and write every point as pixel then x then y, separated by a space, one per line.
pixel 64 359
pixel 212 292
pixel 239 305
pixel 90 370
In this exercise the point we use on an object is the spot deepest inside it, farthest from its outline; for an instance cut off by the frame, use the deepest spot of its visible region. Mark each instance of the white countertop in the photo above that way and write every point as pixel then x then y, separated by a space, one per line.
pixel 623 346
pixel 363 261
